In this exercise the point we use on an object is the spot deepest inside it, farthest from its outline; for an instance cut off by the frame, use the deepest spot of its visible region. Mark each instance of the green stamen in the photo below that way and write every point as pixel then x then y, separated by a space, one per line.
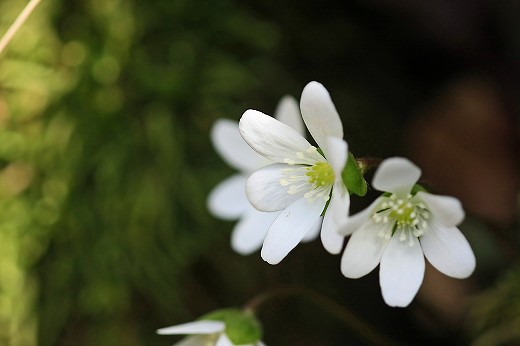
pixel 320 174
pixel 404 214
pixel 404 217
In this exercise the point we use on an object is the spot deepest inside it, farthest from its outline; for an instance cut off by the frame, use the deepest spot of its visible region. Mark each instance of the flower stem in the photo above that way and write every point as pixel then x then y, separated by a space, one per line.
pixel 360 327
pixel 22 17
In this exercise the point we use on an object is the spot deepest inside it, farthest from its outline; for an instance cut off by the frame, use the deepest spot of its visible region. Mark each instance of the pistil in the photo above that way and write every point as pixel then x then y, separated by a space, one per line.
pixel 403 217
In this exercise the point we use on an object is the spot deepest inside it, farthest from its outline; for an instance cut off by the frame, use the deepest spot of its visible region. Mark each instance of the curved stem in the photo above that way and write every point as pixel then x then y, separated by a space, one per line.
pixel 360 327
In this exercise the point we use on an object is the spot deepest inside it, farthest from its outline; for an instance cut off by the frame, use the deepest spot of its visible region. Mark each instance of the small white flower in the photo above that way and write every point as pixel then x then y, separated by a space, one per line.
pixel 228 199
pixel 398 228
pixel 204 333
pixel 300 184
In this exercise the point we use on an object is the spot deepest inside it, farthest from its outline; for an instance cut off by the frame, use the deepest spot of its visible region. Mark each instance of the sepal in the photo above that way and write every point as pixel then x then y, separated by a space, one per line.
pixel 241 326
pixel 352 176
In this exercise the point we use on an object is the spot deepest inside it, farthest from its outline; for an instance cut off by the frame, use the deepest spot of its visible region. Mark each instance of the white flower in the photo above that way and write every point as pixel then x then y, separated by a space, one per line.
pixel 228 199
pixel 300 184
pixel 204 333
pixel 398 228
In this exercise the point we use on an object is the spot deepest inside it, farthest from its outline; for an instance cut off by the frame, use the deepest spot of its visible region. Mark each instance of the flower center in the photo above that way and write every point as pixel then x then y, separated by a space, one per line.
pixel 316 180
pixel 321 174
pixel 402 216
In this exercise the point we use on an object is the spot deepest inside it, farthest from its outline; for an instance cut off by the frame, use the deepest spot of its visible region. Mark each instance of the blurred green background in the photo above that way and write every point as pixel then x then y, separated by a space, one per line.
pixel 105 159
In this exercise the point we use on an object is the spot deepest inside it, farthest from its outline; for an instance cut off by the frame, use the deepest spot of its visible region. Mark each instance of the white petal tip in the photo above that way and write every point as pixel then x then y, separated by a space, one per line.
pixel 397 304
pixel 350 274
pixel 333 250
pixel 334 244
pixel 397 175
pixel 314 85
pixel 271 261
pixel 197 327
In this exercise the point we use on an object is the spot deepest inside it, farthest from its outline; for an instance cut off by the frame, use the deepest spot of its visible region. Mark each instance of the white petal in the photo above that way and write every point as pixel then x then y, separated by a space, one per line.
pixel 335 215
pixel 275 140
pixel 197 327
pixel 397 175
pixel 355 221
pixel 265 192
pixel 363 252
pixel 248 234
pixel 288 112
pixel 340 201
pixel 330 238
pixel 445 208
pixel 314 232
pixel 228 199
pixel 337 154
pixel 230 145
pixel 340 204
pixel 197 340
pixel 289 228
pixel 447 249
pixel 223 340
pixel 401 272
pixel 320 115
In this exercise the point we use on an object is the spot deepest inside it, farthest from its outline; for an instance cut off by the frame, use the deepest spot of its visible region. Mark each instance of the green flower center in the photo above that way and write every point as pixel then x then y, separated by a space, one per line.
pixel 402 216
pixel 320 174
pixel 403 212
pixel 316 180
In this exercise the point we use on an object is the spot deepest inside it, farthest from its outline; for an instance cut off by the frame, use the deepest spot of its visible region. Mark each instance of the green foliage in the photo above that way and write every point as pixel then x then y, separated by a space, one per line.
pixel 353 177
pixel 31 195
pixel 104 149
pixel 495 314
pixel 241 326
pixel 418 188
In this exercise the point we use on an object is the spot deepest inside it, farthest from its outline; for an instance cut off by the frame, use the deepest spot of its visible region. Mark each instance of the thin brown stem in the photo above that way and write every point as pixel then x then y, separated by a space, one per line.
pixel 357 325
pixel 368 163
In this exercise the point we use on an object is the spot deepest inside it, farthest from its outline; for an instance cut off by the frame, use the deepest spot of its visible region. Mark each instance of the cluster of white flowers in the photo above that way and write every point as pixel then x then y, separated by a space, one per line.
pixel 288 190
pixel 299 190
